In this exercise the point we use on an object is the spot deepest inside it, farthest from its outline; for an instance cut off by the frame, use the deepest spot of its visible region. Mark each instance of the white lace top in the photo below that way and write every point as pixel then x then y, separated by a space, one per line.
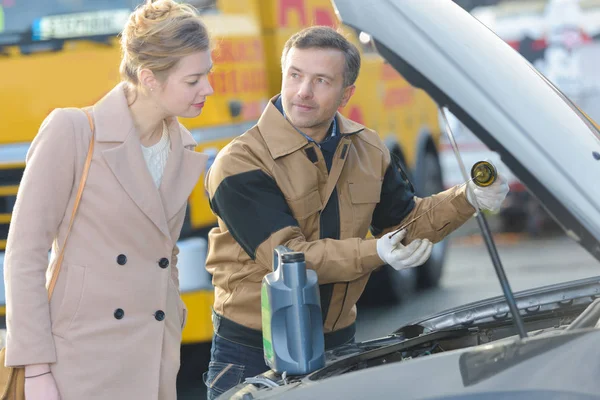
pixel 156 155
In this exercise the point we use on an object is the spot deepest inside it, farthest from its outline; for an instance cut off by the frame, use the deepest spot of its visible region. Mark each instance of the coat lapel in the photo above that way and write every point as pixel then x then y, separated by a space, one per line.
pixel 125 158
pixel 129 167
pixel 182 172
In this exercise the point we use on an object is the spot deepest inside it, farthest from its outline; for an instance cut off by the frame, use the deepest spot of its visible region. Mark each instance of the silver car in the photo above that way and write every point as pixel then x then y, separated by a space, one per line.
pixel 538 344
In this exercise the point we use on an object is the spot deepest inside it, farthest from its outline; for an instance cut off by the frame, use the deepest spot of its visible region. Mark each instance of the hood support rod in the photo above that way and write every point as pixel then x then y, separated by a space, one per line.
pixel 488 238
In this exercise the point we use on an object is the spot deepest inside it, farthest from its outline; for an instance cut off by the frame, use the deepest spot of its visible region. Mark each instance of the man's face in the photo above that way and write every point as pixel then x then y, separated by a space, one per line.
pixel 312 87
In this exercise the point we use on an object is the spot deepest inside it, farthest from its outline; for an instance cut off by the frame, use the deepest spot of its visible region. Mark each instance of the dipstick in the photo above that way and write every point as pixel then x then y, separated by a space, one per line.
pixel 483 174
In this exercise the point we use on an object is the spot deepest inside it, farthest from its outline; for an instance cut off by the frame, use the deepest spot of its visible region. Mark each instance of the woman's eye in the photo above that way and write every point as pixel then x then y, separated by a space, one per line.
pixel 192 83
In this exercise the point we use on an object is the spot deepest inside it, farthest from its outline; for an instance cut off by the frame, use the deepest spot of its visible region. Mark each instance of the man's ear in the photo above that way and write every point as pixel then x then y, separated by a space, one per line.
pixel 348 92
pixel 148 79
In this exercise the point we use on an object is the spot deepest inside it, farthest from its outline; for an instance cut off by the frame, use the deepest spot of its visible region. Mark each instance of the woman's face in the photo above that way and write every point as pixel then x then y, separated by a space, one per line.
pixel 186 88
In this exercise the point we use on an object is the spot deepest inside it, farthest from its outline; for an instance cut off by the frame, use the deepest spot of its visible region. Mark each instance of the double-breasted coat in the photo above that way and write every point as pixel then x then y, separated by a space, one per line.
pixel 112 329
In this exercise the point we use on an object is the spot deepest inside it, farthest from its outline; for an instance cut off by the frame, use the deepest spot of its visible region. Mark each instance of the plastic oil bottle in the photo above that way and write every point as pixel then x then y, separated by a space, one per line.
pixel 292 325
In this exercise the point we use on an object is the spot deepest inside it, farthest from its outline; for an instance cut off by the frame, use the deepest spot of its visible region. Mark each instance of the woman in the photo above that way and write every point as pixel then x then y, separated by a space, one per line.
pixel 112 329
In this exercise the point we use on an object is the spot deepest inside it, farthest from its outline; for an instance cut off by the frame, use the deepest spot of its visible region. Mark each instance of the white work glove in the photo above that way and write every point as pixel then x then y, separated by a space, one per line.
pixel 394 253
pixel 490 197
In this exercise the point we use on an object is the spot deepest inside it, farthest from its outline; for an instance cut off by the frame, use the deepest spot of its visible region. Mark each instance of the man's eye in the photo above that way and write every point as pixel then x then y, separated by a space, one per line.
pixel 192 83
pixel 294 75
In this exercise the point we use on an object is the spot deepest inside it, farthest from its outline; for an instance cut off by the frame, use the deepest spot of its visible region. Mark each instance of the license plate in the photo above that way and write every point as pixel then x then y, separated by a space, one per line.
pixel 66 26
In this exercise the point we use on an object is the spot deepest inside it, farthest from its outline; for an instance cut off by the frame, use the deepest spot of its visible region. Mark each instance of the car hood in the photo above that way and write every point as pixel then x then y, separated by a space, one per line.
pixel 540 135
pixel 468 370
pixel 488 372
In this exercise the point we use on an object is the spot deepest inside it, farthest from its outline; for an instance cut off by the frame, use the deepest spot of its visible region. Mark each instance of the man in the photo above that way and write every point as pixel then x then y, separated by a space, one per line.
pixel 310 179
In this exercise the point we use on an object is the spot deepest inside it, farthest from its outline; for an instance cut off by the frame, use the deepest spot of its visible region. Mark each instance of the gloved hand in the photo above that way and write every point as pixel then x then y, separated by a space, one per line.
pixel 394 253
pixel 490 197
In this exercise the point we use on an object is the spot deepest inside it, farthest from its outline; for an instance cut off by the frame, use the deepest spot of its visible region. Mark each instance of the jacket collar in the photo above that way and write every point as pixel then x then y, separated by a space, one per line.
pixel 281 136
pixel 114 122
pixel 184 166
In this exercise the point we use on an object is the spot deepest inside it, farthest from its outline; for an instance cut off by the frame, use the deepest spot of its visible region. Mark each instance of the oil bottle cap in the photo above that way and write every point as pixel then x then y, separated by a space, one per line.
pixel 293 257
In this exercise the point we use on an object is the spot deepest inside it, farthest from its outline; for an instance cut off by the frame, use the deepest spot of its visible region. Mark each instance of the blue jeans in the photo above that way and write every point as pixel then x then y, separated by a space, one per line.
pixel 230 364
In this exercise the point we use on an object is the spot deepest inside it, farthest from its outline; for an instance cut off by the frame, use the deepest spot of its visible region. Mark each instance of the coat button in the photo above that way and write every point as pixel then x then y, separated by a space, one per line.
pixel 119 313
pixel 159 315
pixel 121 259
pixel 163 263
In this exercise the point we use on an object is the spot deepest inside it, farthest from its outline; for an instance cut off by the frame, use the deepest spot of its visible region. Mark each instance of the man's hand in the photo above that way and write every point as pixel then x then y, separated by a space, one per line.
pixel 397 255
pixel 490 197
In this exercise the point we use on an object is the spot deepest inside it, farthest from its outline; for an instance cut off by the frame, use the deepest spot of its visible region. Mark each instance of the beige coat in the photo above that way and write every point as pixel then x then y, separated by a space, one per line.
pixel 102 331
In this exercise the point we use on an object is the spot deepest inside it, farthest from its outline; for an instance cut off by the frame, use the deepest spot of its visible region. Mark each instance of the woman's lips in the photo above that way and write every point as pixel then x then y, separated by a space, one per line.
pixel 198 105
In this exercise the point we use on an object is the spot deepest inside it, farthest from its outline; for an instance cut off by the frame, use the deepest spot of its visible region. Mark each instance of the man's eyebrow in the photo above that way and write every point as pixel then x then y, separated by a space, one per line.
pixel 331 78
pixel 203 73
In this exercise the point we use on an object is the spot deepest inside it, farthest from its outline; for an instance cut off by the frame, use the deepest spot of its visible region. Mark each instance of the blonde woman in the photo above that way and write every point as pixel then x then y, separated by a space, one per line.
pixel 112 329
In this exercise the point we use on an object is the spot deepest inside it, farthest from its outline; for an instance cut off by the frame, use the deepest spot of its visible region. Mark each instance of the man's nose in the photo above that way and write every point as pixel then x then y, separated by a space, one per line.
pixel 305 90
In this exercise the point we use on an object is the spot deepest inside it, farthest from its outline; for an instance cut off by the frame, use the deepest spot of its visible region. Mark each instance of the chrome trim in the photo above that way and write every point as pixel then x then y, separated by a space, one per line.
pixel 11 153
pixel 202 135
pixel 2 292
pixel 193 275
pixel 17 152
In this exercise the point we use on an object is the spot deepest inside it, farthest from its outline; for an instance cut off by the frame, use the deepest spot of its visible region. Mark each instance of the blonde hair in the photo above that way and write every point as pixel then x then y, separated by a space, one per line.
pixel 157 35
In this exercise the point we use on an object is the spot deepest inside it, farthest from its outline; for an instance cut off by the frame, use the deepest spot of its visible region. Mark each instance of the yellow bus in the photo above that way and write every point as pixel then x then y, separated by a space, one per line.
pixel 57 53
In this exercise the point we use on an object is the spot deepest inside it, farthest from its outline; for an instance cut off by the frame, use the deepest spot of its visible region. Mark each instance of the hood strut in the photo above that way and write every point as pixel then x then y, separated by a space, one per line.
pixel 487 236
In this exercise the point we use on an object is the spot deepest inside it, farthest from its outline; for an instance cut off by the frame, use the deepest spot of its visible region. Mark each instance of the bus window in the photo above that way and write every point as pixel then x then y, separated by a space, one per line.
pixel 34 21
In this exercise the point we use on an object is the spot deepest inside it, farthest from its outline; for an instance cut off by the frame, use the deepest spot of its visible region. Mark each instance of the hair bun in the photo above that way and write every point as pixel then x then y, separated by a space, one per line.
pixel 157 9
pixel 157 35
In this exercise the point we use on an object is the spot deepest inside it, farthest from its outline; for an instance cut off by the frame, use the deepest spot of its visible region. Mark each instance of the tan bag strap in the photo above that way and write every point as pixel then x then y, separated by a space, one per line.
pixel 86 168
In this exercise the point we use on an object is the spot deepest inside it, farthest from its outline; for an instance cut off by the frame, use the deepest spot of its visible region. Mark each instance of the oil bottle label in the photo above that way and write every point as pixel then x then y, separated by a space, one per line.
pixel 266 325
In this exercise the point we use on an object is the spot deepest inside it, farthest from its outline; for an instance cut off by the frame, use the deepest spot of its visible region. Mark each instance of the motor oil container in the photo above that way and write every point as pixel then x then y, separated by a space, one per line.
pixel 292 325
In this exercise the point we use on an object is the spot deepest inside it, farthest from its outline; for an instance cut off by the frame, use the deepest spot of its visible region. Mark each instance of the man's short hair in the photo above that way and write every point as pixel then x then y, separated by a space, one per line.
pixel 325 37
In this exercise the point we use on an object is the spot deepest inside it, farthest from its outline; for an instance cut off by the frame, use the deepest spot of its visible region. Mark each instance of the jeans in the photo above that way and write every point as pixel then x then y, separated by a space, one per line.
pixel 230 364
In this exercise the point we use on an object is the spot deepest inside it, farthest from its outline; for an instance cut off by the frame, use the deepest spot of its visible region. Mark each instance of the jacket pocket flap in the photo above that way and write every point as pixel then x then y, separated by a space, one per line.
pixel 305 206
pixel 365 192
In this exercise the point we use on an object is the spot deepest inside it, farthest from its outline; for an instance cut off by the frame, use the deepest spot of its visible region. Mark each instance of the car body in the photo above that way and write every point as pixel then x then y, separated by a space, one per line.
pixel 473 351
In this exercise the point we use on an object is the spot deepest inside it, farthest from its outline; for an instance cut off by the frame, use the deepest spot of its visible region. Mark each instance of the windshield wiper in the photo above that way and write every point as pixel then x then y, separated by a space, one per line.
pixel 487 236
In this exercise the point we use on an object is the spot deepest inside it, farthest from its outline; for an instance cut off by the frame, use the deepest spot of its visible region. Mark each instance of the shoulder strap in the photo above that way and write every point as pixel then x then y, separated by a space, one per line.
pixel 84 175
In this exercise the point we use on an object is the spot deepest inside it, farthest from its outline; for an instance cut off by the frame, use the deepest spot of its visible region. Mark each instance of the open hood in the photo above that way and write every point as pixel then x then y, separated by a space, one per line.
pixel 551 146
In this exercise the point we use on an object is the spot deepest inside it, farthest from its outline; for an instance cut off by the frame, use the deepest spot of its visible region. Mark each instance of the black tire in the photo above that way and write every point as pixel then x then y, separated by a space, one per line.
pixel 429 181
pixel 387 286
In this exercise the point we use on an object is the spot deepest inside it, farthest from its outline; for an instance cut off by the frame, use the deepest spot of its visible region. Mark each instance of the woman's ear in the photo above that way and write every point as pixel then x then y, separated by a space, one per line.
pixel 147 79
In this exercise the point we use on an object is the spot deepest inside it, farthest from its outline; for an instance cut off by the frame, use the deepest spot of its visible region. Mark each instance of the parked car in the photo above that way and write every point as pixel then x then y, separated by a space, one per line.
pixel 546 347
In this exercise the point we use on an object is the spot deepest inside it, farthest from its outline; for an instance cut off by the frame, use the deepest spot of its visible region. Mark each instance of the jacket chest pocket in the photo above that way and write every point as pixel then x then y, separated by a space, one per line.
pixel 306 210
pixel 305 206
pixel 364 197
